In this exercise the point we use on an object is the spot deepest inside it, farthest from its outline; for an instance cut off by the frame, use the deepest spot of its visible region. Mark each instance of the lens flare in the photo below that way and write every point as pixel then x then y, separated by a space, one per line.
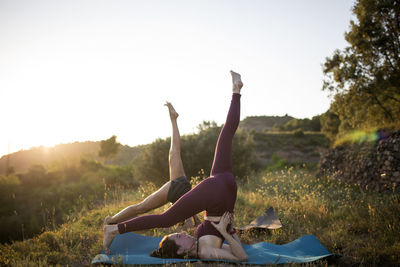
pixel 360 136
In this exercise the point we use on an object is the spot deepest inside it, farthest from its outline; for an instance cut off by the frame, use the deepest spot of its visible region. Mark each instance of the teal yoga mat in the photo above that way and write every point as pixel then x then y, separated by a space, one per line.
pixel 132 248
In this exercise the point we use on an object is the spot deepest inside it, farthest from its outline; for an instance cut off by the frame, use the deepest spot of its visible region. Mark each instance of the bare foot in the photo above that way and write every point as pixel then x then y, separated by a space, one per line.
pixel 110 232
pixel 172 113
pixel 108 220
pixel 237 82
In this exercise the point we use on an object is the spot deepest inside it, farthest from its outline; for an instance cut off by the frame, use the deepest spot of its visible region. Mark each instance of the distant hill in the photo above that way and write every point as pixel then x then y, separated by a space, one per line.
pixel 305 149
pixel 260 123
pixel 22 160
pixel 283 143
pixel 301 149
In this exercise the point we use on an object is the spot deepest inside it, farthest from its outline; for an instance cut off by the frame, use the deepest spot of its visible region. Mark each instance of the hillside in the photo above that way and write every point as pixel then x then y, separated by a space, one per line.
pixel 261 123
pixel 306 148
pixel 70 153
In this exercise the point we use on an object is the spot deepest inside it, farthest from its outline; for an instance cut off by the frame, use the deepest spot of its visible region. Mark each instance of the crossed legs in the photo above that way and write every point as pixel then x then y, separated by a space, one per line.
pixel 158 198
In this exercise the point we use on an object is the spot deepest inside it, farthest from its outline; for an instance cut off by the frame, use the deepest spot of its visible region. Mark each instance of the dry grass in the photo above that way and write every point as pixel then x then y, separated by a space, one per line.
pixel 363 227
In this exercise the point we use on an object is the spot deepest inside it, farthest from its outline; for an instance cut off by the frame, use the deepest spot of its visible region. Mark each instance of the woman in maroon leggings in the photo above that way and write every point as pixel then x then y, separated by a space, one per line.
pixel 216 195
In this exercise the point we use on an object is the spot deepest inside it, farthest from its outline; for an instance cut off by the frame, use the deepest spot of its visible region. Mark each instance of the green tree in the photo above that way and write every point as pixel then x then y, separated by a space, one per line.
pixel 36 176
pixel 365 76
pixel 303 124
pixel 109 147
pixel 315 123
pixel 330 124
pixel 152 164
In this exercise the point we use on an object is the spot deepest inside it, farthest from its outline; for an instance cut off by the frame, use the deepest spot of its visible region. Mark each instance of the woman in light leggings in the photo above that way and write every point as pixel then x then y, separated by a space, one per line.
pixel 171 191
pixel 216 195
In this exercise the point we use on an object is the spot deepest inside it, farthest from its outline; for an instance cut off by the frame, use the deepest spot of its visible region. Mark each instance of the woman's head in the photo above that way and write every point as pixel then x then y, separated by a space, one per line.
pixel 175 245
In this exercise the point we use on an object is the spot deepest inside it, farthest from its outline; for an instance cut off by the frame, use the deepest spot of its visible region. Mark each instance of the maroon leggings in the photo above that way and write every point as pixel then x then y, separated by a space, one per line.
pixel 215 195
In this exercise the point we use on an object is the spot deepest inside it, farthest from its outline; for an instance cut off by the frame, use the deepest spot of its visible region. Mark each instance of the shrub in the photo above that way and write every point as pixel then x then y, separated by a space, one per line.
pixel 298 133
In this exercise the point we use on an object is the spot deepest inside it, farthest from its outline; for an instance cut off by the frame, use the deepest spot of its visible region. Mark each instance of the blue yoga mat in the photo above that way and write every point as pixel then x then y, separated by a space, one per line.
pixel 133 248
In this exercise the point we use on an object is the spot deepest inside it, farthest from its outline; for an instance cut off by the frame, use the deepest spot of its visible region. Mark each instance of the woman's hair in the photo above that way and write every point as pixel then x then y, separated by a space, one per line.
pixel 167 249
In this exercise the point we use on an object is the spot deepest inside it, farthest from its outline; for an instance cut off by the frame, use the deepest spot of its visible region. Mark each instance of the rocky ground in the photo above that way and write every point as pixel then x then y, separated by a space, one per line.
pixel 374 165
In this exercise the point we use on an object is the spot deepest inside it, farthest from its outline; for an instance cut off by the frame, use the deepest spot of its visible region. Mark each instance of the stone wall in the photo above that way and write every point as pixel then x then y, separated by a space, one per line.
pixel 369 165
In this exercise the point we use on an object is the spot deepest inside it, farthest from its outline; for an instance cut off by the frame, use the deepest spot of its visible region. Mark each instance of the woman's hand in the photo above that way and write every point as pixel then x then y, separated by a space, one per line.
pixel 226 219
pixel 233 251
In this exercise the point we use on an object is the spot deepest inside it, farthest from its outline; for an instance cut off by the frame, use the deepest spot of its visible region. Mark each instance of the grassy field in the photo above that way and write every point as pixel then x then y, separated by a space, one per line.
pixel 363 227
pixel 293 148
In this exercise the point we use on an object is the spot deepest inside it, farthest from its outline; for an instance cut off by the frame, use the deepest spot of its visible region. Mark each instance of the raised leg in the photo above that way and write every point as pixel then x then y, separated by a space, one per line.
pixel 223 150
pixel 175 161
pixel 158 198
pixel 176 169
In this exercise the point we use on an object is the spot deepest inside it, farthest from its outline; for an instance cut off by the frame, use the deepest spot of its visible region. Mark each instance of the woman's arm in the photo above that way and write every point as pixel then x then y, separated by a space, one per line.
pixel 235 247
pixel 235 236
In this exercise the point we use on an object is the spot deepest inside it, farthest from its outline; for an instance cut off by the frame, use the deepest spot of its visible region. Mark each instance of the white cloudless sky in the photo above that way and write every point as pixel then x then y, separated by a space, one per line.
pixel 82 70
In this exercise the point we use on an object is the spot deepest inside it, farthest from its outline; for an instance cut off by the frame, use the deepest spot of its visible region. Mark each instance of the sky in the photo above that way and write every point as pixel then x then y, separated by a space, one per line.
pixel 82 70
